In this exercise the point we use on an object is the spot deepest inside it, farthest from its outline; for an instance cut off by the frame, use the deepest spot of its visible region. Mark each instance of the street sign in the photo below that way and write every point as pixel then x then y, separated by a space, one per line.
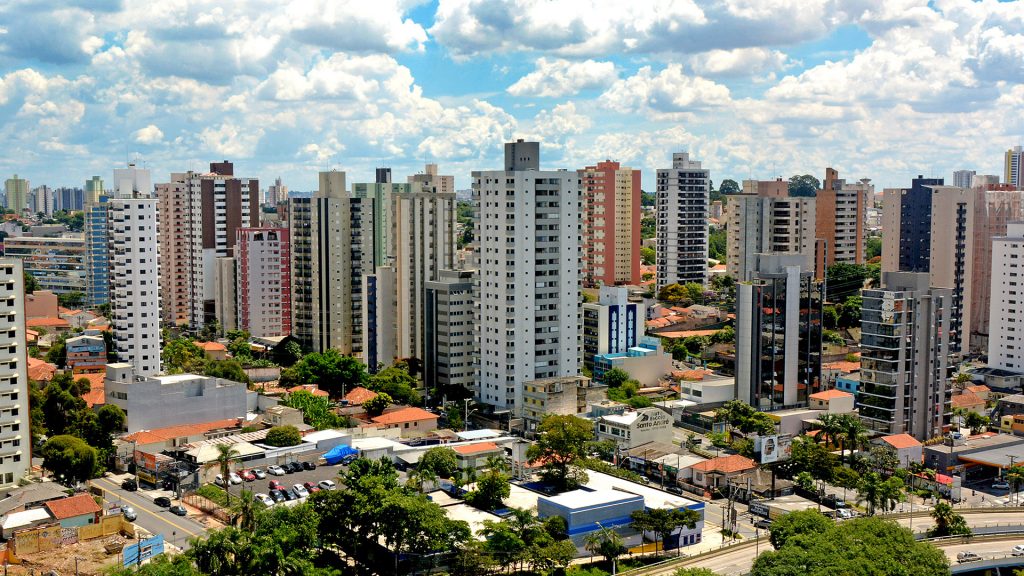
pixel 138 553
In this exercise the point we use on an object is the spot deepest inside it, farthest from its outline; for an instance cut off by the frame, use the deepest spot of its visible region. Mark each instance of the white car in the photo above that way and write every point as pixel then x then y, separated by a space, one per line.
pixel 845 514
pixel 234 478
pixel 275 470
pixel 327 485
pixel 300 491
pixel 1001 485
pixel 266 500
pixel 219 481
pixel 1018 550
pixel 130 515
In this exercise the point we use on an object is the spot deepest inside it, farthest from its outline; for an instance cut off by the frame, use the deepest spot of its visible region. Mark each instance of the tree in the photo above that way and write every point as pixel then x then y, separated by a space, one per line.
pixel 858 547
pixel 798 523
pixel 73 300
pixel 491 490
pixel 615 377
pixel 663 522
pixel 226 454
pixel 878 493
pixel 672 293
pixel 316 410
pixel 805 481
pixel 245 511
pixel 182 355
pixel 229 369
pixel 329 370
pixel 58 353
pixel 874 247
pixel 729 186
pixel 62 404
pixel 607 543
pixel 412 524
pixel 287 353
pixel 647 255
pixel 694 572
pixel 976 422
pixel 854 434
pixel 948 522
pixel 560 448
pixel 1015 476
pixel 804 186
pixel 378 404
pixel 717 245
pixel 69 458
pixel 396 383
pixel 694 291
pixel 845 280
pixel 440 461
pixel 31 284
pixel 283 436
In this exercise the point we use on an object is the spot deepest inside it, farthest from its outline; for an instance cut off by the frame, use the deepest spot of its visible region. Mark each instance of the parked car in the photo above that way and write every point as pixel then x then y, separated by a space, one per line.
pixel 288 494
pixel 178 510
pixel 309 465
pixel 1001 485
pixel 219 481
pixel 845 514
pixel 234 478
pixel 275 485
pixel 300 491
pixel 763 524
pixel 327 485
pixel 963 557
pixel 275 470
pixel 129 513
pixel 130 485
pixel 162 501
pixel 277 496
pixel 311 487
pixel 296 467
pixel 287 467
pixel 348 459
pixel 645 480
pixel 259 473
pixel 248 476
pixel 266 500
pixel 675 490
pixel 1018 550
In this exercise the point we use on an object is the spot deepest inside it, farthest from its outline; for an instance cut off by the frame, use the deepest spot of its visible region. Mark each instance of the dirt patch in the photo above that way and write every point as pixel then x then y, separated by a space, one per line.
pixel 93 558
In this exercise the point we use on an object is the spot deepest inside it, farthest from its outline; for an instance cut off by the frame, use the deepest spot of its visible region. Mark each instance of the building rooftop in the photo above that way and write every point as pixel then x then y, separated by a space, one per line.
pixel 653 498
pixel 1000 457
pixel 900 441
pixel 726 464
pixel 966 399
pixel 376 443
pixel 72 506
pixel 831 394
pixel 48 322
pixel 311 388
pixel 97 389
pixel 212 346
pixel 401 415
pixel 585 498
pixel 358 395
pixel 32 494
pixel 25 518
pixel 468 449
pixel 183 431
pixel 482 434
pixel 40 370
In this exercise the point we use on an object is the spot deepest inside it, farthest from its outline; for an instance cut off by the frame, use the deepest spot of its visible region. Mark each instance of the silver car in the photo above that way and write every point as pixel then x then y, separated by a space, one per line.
pixel 129 513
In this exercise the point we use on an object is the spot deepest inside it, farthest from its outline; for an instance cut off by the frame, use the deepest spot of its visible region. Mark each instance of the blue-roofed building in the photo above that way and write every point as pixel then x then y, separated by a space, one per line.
pixel 647 362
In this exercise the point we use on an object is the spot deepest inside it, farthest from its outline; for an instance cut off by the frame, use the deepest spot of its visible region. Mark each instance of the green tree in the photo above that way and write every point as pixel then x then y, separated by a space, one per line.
pixel 694 291
pixel 283 436
pixel 491 490
pixel 316 410
pixel 615 377
pixel 663 522
pixel 396 383
pixel 58 353
pixel 648 227
pixel 874 247
pixel 804 186
pixel 794 524
pixel 647 255
pixel 229 369
pixel 729 186
pixel 378 404
pixel 607 543
pixel 453 414
pixel 73 300
pixel 239 345
pixel 805 481
pixel 976 422
pixel 854 434
pixel 672 293
pixel 947 522
pixel 412 524
pixel 717 243
pixel 62 403
pixel 1015 476
pixel 560 449
pixel 31 284
pixel 830 317
pixel 861 546
pixel 69 458
pixel 845 280
pixel 878 493
pixel 182 355
pixel 439 461
pixel 329 370
pixel 287 353
pixel 849 311
pixel 226 454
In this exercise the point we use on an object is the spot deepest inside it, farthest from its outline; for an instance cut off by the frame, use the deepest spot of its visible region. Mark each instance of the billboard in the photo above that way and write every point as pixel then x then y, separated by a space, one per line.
pixel 138 553
pixel 774 448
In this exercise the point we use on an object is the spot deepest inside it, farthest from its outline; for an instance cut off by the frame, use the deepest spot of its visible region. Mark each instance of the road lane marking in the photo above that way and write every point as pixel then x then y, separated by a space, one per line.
pixel 140 508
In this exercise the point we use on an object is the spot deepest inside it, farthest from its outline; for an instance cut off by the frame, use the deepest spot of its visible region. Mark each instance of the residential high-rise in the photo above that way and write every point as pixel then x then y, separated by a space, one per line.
pixel 174 235
pixel 225 293
pixel 765 219
pixel 907 222
pixel 448 361
pixel 68 199
pixel 57 264
pixel 778 333
pixel 1006 339
pixel 93 188
pixel 528 224
pixel 611 224
pixel 263 279
pixel 963 178
pixel 41 200
pixel 300 220
pixel 381 193
pixel 842 213
pixel 379 318
pixel 16 194
pixel 97 248
pixel 16 445
pixel 995 205
pixel 1013 170
pixel 276 193
pixel 341 237
pixel 682 229
pixel 611 325
pixel 905 356
pixel 134 270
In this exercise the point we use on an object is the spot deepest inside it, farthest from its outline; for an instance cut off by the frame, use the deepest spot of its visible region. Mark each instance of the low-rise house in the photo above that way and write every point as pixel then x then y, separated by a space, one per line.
pixel 51 324
pixel 40 370
pixel 74 511
pixel 214 350
pixel 981 390
pixel 474 456
pixel 282 416
pixel 969 402
pixel 86 354
pixel 717 472
pixel 311 388
pixel 834 401
pixel 410 420
pixel 357 396
pixel 704 386
pixel 563 395
pixel 41 304
pixel 905 447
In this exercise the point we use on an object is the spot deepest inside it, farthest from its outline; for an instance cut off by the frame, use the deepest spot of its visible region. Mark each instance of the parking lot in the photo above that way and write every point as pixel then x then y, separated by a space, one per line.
pixel 289 480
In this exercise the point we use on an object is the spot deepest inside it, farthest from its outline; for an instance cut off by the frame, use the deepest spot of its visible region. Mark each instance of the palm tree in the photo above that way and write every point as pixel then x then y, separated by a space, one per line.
pixel 830 431
pixel 854 433
pixel 605 542
pixel 870 491
pixel 245 511
pixel 496 463
pixel 226 454
pixel 890 493
pixel 1015 476
pixel 948 522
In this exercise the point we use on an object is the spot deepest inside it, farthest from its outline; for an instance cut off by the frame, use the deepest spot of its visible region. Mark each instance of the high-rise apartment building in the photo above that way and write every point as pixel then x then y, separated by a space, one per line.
pixel 963 178
pixel 93 188
pixel 765 219
pixel 682 229
pixel 1006 338
pixel 263 281
pixel 611 224
pixel 380 196
pixel 134 270
pixel 276 193
pixel 907 222
pixel 995 205
pixel 778 333
pixel 16 194
pixel 225 292
pixel 97 248
pixel 1014 167
pixel 15 441
pixel 905 356
pixel 68 199
pixel 449 362
pixel 57 264
pixel 612 325
pixel 529 225
pixel 41 200
pixel 175 244
pixel 300 233
pixel 842 213
pixel 379 321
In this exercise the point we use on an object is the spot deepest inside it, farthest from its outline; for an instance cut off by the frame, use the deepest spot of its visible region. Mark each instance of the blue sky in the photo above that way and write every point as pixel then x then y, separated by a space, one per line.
pixel 884 89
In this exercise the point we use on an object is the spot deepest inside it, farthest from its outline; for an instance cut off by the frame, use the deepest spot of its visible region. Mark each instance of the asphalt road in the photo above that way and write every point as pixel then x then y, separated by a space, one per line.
pixel 152 518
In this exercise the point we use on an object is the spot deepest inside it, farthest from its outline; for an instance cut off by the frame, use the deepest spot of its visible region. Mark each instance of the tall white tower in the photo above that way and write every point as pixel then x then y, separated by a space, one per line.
pixel 682 230
pixel 15 445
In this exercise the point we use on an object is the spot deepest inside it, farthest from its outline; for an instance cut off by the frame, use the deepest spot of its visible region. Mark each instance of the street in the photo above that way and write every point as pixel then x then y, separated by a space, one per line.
pixel 152 518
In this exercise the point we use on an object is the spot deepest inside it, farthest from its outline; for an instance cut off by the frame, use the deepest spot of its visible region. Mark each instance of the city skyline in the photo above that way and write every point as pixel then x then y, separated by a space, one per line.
pixel 754 91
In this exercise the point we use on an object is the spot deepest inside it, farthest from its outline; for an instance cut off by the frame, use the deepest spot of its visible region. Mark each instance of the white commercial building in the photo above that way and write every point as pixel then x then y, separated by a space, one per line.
pixel 635 427
pixel 1006 335
pixel 612 325
pixel 682 229
pixel 528 227
pixel 15 444
pixel 134 270
pixel 449 339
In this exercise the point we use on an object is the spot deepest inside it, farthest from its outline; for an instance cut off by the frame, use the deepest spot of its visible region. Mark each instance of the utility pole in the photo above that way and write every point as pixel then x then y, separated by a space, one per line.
pixel 1014 485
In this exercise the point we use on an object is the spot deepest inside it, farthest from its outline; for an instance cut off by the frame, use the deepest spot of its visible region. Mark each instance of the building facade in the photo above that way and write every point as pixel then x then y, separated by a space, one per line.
pixel 778 333
pixel 528 224
pixel 841 221
pixel 953 236
pixel 1006 339
pixel 449 361
pixel 907 221
pixel 175 245
pixel 635 427
pixel 612 325
pixel 995 207
pixel 86 354
pixel 263 280
pixel 905 351
pixel 611 224
pixel 97 249
pixel 57 264
pixel 380 317
pixel 16 194
pixel 564 395
pixel 768 221
pixel 300 232
pixel 963 178
pixel 682 228
pixel 15 440
pixel 1013 167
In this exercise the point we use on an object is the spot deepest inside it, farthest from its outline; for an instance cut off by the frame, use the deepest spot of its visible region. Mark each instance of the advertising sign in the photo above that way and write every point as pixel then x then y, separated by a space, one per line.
pixel 136 554
pixel 774 448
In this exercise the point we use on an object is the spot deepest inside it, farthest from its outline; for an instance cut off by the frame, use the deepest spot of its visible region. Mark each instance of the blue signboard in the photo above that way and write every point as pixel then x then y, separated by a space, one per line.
pixel 144 550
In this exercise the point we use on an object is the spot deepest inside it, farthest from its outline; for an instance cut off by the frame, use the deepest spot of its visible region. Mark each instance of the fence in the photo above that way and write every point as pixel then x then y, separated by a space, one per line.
pixel 53 536
pixel 209 506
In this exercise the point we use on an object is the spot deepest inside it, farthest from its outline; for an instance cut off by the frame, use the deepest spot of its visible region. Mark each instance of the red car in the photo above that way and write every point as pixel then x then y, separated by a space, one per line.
pixel 247 475
pixel 275 485
pixel 311 487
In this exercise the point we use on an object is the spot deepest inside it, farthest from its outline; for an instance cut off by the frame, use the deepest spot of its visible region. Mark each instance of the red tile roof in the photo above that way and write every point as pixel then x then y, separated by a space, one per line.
pixel 967 399
pixel 311 388
pixel 40 370
pixel 842 366
pixel 48 322
pixel 212 346
pixel 358 395
pixel 184 430
pixel 77 505
pixel 468 449
pixel 831 394
pixel 726 464
pixel 96 396
pixel 687 333
pixel 401 415
pixel 978 388
pixel 899 441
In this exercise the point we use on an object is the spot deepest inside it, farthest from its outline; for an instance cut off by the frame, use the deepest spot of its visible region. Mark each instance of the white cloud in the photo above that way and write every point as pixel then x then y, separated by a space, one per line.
pixel 230 140
pixel 669 92
pixel 740 61
pixel 150 134
pixel 558 77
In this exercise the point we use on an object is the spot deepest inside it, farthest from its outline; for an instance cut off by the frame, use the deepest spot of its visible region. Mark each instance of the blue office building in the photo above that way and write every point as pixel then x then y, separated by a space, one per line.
pixel 97 260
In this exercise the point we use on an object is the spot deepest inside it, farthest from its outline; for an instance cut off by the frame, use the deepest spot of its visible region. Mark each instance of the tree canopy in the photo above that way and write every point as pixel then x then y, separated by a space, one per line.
pixel 804 186
pixel 329 370
pixel 560 449
pixel 283 436
pixel 316 410
pixel 397 383
pixel 439 461
pixel 69 458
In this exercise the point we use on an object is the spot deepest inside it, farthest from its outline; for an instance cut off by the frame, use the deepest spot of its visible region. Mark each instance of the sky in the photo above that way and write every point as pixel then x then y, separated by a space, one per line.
pixel 882 89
